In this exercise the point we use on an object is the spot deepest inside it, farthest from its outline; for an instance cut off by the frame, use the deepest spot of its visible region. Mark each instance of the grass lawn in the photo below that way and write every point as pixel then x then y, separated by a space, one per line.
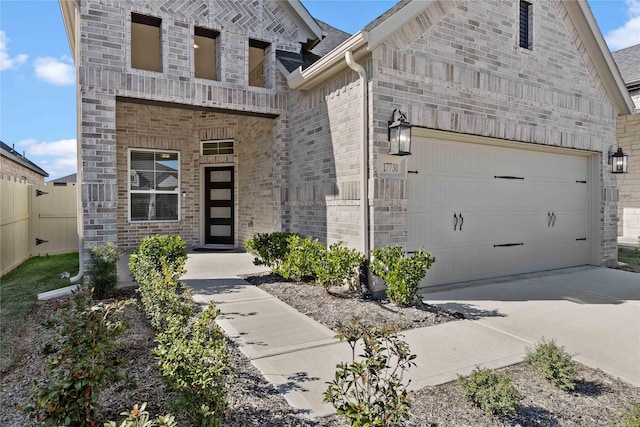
pixel 19 291
pixel 630 257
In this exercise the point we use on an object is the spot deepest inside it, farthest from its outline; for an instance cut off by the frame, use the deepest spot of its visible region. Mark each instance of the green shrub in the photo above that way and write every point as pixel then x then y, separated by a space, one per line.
pixel 302 260
pixel 553 363
pixel 338 266
pixel 194 362
pixel 371 391
pixel 80 362
pixel 138 417
pixel 631 417
pixel 153 250
pixel 401 274
pixel 103 268
pixel 163 297
pixel 491 391
pixel 270 249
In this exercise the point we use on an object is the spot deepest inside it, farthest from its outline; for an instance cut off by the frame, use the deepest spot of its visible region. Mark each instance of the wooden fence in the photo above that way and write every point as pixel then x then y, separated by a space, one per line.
pixel 36 220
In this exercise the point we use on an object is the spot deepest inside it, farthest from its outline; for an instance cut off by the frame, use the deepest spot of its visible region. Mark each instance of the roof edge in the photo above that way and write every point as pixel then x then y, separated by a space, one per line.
pixel 597 49
pixel 68 11
pixel 309 21
pixel 392 23
pixel 305 79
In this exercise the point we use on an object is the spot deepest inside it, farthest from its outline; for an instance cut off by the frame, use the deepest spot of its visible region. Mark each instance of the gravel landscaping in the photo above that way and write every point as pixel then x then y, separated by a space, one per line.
pixel 598 400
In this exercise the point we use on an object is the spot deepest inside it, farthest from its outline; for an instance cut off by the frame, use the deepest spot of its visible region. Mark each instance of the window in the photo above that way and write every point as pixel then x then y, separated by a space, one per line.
pixel 257 55
pixel 222 146
pixel 205 53
pixel 145 42
pixel 154 185
pixel 526 25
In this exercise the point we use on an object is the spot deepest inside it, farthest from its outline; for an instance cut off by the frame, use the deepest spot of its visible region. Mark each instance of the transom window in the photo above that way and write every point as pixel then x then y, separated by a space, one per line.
pixel 154 185
pixel 220 146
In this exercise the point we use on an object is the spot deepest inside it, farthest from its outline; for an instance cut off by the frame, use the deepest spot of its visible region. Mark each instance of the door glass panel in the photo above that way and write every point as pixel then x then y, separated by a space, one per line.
pixel 220 194
pixel 221 230
pixel 220 176
pixel 220 212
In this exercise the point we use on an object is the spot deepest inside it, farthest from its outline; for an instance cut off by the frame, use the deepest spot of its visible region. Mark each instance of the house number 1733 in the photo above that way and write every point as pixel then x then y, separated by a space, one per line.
pixel 391 167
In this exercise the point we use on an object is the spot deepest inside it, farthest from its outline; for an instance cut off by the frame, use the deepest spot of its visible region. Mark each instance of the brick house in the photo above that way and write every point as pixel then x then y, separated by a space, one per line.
pixel 16 167
pixel 628 134
pixel 219 119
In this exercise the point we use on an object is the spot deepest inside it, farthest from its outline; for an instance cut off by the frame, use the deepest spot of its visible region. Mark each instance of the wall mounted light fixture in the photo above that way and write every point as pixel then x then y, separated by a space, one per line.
pixel 618 160
pixel 399 135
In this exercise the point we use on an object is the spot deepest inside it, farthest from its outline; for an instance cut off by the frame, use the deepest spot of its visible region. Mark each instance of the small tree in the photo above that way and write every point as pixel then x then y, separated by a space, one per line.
pixel 371 391
pixel 401 274
pixel 103 265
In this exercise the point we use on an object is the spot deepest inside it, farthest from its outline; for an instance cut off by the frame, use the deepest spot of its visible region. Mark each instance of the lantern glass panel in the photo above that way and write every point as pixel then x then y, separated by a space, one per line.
pixel 405 139
pixel 394 140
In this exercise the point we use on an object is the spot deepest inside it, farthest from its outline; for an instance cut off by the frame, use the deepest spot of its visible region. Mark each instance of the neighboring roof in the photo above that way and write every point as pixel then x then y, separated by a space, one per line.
pixel 14 156
pixel 403 12
pixel 628 61
pixel 66 179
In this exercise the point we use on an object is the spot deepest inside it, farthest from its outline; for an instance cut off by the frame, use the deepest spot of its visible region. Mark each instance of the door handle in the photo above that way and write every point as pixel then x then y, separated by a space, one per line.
pixel 553 219
pixel 455 221
pixel 548 219
pixel 461 221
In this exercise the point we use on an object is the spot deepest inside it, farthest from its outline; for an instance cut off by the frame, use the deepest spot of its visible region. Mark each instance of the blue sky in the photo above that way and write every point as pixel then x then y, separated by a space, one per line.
pixel 37 82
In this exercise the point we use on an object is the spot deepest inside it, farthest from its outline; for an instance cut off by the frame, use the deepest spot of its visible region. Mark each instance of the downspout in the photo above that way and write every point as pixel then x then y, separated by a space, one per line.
pixel 364 165
pixel 79 210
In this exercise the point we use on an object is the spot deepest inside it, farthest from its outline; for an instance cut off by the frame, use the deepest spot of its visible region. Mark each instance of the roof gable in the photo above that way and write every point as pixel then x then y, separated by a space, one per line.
pixel 409 19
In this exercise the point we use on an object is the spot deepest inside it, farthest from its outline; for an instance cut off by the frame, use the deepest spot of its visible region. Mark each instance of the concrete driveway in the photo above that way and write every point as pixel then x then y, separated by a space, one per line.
pixel 593 312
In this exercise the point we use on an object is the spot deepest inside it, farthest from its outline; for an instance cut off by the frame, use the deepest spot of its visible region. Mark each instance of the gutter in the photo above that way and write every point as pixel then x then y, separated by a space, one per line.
pixel 299 79
pixel 79 210
pixel 364 159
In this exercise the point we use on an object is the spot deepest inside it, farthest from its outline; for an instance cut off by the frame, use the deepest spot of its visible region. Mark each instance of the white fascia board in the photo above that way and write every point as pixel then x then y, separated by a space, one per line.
pixel 324 67
pixel 392 23
pixel 306 17
pixel 68 10
pixel 585 23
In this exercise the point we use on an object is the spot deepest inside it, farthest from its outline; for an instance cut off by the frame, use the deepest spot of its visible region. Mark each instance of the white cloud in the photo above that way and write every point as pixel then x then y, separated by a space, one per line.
pixel 59 72
pixel 7 62
pixel 58 158
pixel 628 34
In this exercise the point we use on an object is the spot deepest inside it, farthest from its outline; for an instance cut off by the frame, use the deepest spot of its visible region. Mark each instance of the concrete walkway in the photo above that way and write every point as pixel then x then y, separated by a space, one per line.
pixel 299 355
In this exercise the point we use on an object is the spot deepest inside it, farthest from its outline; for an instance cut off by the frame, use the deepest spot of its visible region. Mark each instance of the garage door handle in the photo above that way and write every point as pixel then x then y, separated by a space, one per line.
pixel 455 221
pixel 506 245
pixel 553 219
pixel 548 219
pixel 461 221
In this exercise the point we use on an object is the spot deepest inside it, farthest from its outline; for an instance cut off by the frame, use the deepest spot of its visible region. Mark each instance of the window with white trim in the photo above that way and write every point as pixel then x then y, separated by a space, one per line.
pixel 218 146
pixel 154 185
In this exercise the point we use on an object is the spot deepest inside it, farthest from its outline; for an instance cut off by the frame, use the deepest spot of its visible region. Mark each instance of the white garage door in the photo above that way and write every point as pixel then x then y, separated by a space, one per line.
pixel 487 211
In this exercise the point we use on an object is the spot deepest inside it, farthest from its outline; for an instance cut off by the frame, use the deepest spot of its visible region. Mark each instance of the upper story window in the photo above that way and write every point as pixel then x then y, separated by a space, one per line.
pixel 146 42
pixel 205 53
pixel 257 56
pixel 526 25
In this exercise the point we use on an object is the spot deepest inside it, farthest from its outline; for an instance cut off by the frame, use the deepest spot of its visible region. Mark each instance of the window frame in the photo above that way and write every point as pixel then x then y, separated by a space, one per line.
pixel 150 21
pixel 264 46
pixel 218 141
pixel 130 180
pixel 525 25
pixel 215 36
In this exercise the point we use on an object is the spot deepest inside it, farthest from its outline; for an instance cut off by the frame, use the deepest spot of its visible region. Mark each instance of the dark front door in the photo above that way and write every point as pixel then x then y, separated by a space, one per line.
pixel 219 227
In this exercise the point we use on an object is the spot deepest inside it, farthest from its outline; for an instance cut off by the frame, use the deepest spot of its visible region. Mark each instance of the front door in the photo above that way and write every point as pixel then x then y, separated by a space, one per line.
pixel 219 227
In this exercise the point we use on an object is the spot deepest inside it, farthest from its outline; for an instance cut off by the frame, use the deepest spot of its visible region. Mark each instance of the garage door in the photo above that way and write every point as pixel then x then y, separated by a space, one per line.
pixel 488 211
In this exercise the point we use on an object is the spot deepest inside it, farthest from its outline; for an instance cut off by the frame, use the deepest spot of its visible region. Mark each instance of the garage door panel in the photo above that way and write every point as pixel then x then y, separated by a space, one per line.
pixel 531 217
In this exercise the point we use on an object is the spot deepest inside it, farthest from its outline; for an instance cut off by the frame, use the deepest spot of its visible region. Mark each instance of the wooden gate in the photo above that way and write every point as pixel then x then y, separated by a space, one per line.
pixel 36 220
